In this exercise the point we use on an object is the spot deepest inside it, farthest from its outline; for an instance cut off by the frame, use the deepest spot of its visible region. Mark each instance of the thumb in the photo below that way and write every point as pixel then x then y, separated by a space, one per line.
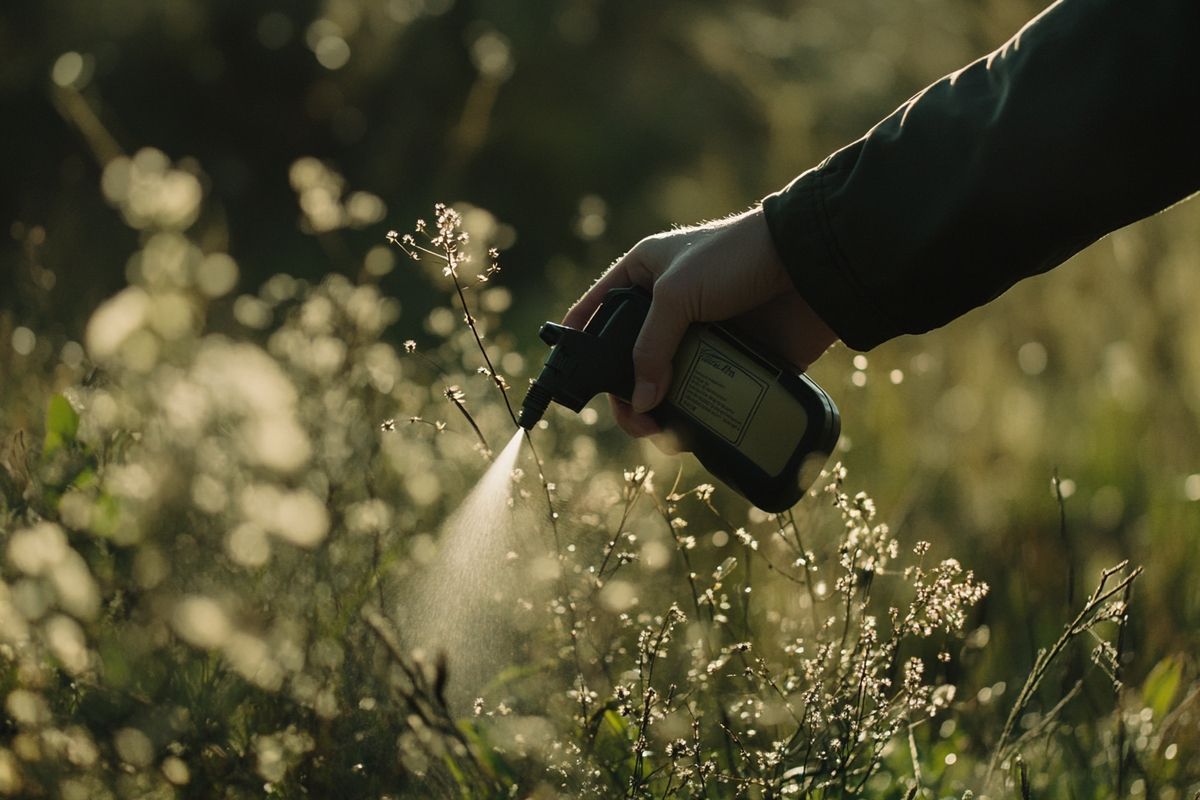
pixel 665 324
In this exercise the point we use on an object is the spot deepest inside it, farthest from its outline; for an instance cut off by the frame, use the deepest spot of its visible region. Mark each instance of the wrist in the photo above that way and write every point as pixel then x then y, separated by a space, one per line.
pixel 761 254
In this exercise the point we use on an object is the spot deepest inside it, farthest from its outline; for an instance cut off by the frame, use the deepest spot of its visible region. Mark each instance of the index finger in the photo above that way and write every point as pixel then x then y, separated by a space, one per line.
pixel 617 277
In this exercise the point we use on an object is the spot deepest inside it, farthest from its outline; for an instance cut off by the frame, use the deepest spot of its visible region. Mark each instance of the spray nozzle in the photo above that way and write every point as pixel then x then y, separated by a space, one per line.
pixel 584 363
pixel 537 400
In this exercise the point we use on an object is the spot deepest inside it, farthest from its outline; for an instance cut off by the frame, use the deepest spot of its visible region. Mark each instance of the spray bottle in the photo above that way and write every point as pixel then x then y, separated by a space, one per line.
pixel 758 425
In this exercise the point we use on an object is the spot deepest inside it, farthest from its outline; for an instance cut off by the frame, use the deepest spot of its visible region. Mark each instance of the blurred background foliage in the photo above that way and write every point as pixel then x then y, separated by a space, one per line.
pixel 581 125
pixel 565 131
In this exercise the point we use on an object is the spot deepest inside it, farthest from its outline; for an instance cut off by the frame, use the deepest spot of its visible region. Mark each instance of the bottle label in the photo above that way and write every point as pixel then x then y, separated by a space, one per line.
pixel 720 389
pixel 738 398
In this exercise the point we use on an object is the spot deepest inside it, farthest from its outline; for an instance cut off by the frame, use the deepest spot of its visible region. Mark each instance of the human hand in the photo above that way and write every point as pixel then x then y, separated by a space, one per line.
pixel 725 271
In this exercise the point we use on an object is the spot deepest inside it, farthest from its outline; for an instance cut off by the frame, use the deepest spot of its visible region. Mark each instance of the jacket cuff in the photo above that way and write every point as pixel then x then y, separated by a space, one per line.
pixel 799 226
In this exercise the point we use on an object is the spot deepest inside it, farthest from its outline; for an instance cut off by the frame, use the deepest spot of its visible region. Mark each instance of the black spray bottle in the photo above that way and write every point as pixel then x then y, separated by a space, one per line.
pixel 761 427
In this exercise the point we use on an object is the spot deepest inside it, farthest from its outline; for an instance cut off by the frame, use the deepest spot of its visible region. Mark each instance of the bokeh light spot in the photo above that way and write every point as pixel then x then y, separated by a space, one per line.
pixel 248 545
pixel 217 275
pixel 68 70
pixel 1191 487
pixel 332 52
pixel 23 341
pixel 379 261
pixel 134 747
pixel 1032 358
pixel 115 321
pixel 201 622
pixel 618 596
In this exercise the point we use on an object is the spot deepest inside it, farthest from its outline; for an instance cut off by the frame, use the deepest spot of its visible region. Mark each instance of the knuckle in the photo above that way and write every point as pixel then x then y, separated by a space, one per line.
pixel 644 250
pixel 670 297
pixel 667 289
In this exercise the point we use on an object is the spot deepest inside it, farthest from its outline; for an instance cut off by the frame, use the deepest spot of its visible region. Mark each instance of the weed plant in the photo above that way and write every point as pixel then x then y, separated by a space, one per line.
pixel 210 543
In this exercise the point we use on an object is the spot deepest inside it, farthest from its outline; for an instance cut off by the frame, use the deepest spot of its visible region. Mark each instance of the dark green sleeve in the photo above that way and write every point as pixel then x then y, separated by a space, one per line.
pixel 1086 120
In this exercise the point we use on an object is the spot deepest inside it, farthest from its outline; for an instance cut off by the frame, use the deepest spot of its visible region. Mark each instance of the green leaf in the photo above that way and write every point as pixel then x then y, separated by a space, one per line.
pixel 492 762
pixel 611 745
pixel 106 514
pixel 1162 684
pixel 617 724
pixel 456 772
pixel 62 424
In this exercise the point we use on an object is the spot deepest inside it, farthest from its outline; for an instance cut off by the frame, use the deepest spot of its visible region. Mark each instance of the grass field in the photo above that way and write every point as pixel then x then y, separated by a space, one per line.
pixel 260 532
pixel 214 542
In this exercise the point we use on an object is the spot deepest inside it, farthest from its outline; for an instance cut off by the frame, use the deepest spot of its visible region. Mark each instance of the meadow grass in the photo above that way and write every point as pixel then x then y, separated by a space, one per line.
pixel 209 536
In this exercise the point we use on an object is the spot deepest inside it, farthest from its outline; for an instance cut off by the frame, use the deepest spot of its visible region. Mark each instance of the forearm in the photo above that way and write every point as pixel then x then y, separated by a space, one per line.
pixel 1085 121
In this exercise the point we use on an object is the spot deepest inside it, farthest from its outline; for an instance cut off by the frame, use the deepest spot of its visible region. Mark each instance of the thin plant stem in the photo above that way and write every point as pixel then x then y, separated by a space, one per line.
pixel 808 570
pixel 634 496
pixel 1122 623
pixel 454 395
pixel 1080 624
